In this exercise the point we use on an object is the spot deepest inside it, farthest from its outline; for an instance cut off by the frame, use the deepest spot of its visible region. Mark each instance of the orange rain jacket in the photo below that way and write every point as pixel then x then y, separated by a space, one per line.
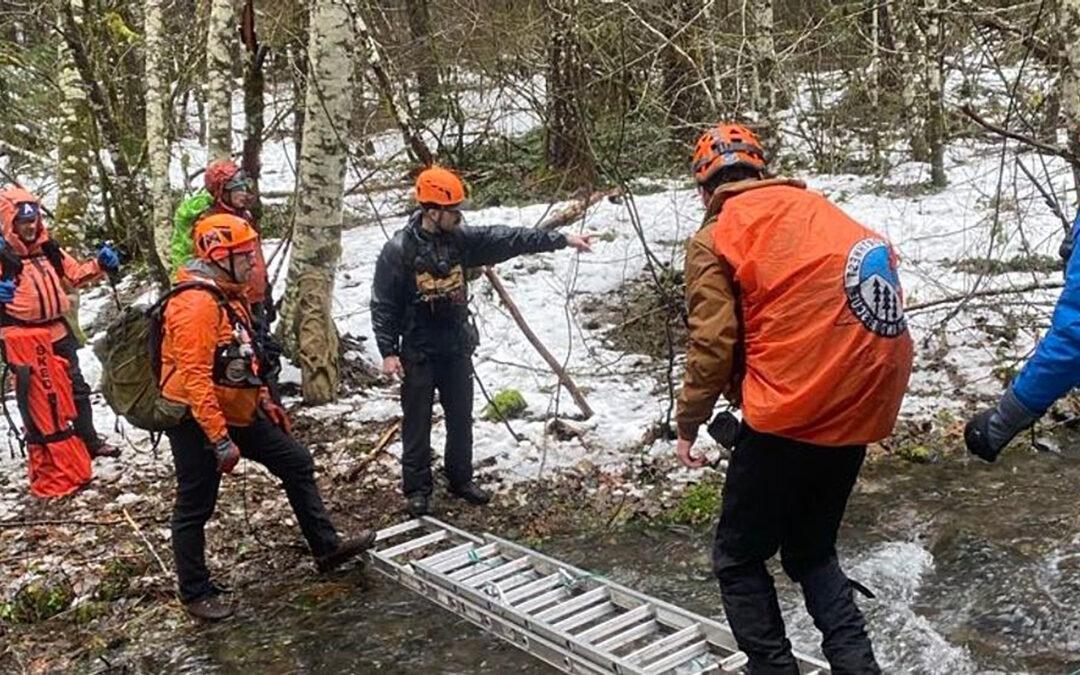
pixel 797 310
pixel 40 296
pixel 195 328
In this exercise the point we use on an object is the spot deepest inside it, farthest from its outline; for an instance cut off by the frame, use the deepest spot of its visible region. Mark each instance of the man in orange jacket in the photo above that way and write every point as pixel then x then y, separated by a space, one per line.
pixel 209 362
pixel 796 314
pixel 33 292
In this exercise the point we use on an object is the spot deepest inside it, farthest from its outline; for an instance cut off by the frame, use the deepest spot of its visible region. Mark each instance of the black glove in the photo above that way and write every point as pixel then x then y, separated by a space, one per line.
pixel 227 455
pixel 989 431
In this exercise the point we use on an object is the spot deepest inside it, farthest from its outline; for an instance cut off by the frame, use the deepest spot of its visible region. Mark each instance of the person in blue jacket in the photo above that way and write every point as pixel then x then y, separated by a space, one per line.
pixel 1051 372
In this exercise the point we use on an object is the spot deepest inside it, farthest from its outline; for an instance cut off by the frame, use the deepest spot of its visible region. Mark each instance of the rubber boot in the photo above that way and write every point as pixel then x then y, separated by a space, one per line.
pixel 830 601
pixel 753 613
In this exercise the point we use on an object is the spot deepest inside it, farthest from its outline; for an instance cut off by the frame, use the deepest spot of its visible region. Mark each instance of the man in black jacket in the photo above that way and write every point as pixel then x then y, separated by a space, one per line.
pixel 420 315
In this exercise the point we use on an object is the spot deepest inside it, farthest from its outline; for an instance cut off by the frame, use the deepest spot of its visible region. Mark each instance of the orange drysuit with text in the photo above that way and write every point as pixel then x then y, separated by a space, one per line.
pixel 796 312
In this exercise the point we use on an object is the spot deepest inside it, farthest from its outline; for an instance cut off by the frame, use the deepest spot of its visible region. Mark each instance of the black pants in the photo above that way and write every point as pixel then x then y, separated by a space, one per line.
pixel 452 376
pixel 789 496
pixel 197 488
pixel 68 348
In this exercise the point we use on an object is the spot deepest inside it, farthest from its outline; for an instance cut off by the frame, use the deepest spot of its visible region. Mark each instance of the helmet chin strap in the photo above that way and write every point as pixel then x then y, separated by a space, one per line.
pixel 230 270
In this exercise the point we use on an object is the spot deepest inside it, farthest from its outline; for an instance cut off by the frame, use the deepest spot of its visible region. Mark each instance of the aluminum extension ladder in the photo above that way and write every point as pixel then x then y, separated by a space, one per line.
pixel 571 619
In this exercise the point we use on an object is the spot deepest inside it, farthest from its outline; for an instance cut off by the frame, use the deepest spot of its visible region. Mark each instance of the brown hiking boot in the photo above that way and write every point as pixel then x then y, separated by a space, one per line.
pixel 350 548
pixel 210 608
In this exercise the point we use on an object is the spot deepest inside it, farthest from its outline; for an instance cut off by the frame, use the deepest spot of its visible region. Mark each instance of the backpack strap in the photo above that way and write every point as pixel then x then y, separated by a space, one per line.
pixel 54 255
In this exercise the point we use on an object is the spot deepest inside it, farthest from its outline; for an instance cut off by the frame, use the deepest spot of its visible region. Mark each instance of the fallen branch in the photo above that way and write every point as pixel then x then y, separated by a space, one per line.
pixel 138 531
pixel 576 210
pixel 15 524
pixel 383 443
pixel 1027 140
pixel 989 292
pixel 556 367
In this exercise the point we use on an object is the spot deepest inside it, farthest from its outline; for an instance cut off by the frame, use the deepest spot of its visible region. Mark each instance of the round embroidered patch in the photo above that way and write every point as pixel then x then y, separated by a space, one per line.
pixel 873 288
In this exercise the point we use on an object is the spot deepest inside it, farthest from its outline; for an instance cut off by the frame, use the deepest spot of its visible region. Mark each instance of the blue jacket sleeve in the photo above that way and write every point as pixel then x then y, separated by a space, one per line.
pixel 1054 368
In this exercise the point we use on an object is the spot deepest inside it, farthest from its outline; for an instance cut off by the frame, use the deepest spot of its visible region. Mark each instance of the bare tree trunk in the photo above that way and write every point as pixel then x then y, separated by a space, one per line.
pixel 157 116
pixel 307 323
pixel 686 85
pixel 219 79
pixel 567 147
pixel 254 104
pixel 1070 76
pixel 912 50
pixel 424 56
pixel 935 127
pixel 764 91
pixel 73 173
pixel 874 83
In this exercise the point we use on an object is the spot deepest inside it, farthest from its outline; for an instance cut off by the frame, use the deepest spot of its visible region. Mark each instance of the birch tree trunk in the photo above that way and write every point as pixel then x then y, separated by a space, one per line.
pixel 307 322
pixel 157 135
pixel 567 147
pixel 219 78
pixel 1070 76
pixel 765 71
pixel 935 127
pixel 73 152
pixel 874 83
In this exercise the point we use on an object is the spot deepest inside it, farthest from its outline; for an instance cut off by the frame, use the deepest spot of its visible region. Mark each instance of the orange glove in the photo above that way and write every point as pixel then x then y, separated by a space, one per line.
pixel 276 414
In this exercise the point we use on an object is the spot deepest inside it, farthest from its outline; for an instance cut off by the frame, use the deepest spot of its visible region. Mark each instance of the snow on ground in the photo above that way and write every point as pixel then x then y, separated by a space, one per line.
pixel 929 230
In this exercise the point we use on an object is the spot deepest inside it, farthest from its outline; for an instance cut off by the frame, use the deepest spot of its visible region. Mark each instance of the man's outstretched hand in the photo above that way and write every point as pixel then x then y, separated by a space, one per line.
pixel 581 242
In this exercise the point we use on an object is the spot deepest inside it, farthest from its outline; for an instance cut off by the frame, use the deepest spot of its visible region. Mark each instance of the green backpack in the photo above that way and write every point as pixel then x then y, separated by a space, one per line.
pixel 130 356
pixel 181 245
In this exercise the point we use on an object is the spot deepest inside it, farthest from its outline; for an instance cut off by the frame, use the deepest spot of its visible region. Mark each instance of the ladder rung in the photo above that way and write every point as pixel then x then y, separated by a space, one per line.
pixel 413 544
pixel 628 636
pixel 573 604
pixel 541 601
pixel 518 581
pixel 618 623
pixel 532 588
pixel 582 618
pixel 448 553
pixel 477 567
pixel 450 564
pixel 680 657
pixel 666 644
pixel 500 572
pixel 735 662
pixel 383 535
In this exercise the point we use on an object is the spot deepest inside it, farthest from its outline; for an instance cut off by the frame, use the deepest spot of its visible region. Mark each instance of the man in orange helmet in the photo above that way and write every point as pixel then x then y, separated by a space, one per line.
pixel 420 315
pixel 796 314
pixel 209 362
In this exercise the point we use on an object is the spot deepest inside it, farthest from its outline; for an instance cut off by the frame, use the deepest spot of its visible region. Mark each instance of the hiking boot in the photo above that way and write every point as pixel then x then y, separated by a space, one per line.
pixel 419 504
pixel 210 608
pixel 350 548
pixel 472 493
pixel 104 450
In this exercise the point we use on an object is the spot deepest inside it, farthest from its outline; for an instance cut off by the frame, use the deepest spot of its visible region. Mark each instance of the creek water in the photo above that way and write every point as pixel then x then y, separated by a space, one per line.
pixel 976 569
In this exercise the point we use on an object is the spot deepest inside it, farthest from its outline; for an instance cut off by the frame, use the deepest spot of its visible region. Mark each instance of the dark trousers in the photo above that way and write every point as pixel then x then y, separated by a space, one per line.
pixel 197 482
pixel 783 495
pixel 452 376
pixel 68 348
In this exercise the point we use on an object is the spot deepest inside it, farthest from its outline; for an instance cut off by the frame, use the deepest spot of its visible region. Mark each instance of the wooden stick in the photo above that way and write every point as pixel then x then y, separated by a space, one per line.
pixel 556 367
pixel 384 442
pixel 138 531
pixel 1028 140
pixel 989 292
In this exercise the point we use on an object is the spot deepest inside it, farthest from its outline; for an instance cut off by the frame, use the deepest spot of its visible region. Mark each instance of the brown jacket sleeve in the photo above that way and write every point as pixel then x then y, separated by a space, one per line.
pixel 714 333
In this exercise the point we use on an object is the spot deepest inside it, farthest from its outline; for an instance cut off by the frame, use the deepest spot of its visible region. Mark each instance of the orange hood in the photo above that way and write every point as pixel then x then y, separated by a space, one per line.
pixel 10 198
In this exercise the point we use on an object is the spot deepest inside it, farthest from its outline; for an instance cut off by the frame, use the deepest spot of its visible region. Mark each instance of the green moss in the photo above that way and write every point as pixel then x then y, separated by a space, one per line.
pixel 917 454
pixel 115 582
pixel 507 404
pixel 40 600
pixel 698 505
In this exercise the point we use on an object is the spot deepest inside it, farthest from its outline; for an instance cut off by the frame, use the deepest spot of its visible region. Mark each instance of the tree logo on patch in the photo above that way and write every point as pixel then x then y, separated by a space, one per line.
pixel 873 288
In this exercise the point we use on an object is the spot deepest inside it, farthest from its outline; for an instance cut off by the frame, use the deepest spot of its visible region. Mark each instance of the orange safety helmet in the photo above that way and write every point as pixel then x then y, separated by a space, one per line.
pixel 220 235
pixel 725 146
pixel 436 185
